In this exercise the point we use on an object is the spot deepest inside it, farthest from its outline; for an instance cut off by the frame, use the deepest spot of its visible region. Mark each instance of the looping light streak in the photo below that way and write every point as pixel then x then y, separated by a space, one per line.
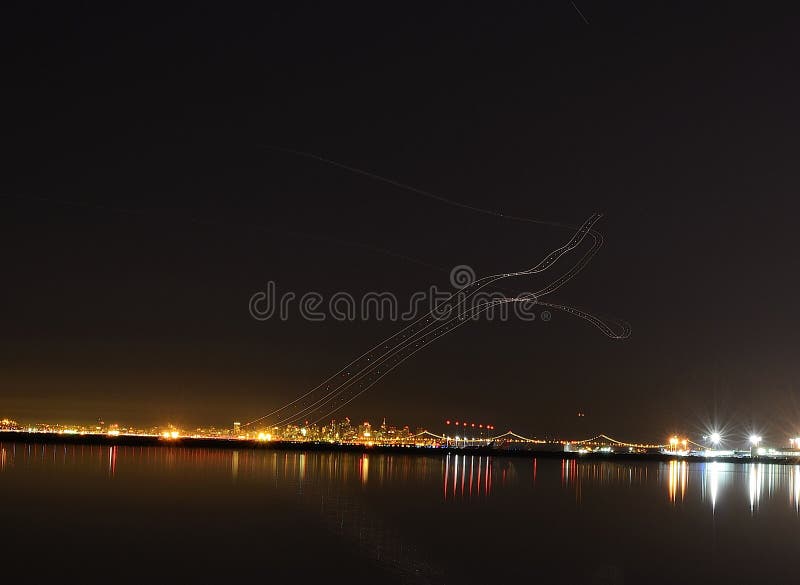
pixel 397 348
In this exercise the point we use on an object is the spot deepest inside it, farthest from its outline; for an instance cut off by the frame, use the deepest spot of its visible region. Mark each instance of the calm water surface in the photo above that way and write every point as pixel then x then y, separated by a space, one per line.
pixel 173 515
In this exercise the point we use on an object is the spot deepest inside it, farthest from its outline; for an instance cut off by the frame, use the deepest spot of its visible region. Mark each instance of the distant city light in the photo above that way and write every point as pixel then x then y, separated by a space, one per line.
pixel 344 433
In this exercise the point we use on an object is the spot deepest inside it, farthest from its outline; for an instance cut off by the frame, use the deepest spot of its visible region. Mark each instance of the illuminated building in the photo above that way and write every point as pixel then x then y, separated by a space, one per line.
pixel 346 431
pixel 7 424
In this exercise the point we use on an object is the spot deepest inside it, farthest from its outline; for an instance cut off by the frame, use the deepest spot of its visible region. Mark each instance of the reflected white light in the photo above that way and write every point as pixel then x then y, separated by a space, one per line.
pixel 756 479
pixel 797 488
pixel 713 483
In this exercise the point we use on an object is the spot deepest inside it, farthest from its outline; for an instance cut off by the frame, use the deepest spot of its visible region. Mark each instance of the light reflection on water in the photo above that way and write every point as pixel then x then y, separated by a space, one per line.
pixel 466 476
pixel 463 477
pixel 399 512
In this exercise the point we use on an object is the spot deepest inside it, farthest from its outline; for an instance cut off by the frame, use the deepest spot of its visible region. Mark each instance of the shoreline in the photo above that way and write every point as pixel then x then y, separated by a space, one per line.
pixel 235 444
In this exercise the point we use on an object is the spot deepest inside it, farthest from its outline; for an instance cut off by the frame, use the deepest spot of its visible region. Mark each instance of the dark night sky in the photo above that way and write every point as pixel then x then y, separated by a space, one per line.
pixel 140 208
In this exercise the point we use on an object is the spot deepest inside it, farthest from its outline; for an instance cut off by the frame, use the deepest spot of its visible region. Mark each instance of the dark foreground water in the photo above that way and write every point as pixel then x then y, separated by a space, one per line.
pixel 94 514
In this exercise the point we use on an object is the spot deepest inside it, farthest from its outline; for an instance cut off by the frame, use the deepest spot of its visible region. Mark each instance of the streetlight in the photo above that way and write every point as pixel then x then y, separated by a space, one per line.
pixel 754 441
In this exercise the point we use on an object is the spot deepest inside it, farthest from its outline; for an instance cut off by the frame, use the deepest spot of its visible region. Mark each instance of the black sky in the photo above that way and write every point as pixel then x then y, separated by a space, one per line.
pixel 141 209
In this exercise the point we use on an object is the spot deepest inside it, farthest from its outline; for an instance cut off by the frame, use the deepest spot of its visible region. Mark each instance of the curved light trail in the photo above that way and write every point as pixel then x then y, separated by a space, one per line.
pixel 369 368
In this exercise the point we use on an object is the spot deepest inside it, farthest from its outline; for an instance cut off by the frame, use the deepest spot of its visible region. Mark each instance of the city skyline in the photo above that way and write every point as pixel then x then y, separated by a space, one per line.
pixel 713 440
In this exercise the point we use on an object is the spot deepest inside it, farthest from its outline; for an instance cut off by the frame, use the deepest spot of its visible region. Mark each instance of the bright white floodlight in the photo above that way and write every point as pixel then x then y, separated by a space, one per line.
pixel 755 439
pixel 715 438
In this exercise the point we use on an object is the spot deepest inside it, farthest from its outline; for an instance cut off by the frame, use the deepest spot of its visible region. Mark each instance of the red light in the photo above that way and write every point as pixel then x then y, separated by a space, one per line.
pixel 480 425
pixel 447 422
pixel 456 423
pixel 473 424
